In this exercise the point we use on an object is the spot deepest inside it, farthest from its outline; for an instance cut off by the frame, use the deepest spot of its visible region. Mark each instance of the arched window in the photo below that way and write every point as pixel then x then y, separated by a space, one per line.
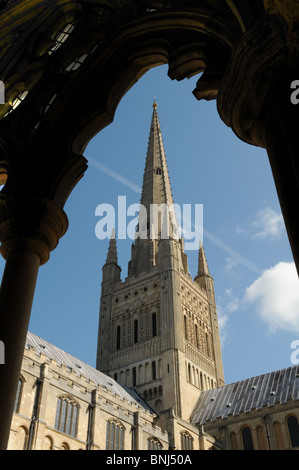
pixel 196 336
pixel 118 337
pixel 135 331
pixel 154 370
pixel 66 419
pixel 185 327
pixel 247 438
pixel 18 396
pixel 158 171
pixel 154 444
pixel 154 324
pixel 186 441
pixel 134 377
pixel 21 440
pixel 115 435
pixel 293 428
pixel 189 373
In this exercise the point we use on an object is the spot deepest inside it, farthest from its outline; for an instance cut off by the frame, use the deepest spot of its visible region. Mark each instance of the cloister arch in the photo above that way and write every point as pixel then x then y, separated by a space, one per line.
pixel 247 53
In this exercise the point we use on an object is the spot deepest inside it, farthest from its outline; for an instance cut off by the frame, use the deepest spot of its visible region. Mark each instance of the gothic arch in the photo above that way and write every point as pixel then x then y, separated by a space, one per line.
pixel 190 40
pixel 293 429
pixel 22 438
pixel 247 438
pixel 48 443
pixel 67 412
pixel 64 446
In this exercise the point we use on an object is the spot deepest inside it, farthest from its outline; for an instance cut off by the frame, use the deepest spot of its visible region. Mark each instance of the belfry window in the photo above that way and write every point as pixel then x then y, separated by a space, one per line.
pixel 186 328
pixel 66 416
pixel 115 435
pixel 135 331
pixel 154 324
pixel 118 337
pixel 196 336
pixel 154 370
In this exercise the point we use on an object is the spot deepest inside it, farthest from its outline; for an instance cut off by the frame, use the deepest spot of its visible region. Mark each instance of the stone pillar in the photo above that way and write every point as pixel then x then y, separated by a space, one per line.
pixel 29 230
pixel 255 101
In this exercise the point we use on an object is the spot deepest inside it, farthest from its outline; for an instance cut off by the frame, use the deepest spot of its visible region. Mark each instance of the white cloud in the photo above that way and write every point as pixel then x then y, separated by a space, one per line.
pixel 269 223
pixel 226 305
pixel 231 263
pixel 276 296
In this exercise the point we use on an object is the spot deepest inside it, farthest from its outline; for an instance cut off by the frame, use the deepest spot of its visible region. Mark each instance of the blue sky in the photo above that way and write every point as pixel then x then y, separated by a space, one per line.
pixel 245 241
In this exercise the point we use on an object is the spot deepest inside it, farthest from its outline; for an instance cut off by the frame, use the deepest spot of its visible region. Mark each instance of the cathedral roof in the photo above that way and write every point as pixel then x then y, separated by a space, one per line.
pixel 259 392
pixel 82 369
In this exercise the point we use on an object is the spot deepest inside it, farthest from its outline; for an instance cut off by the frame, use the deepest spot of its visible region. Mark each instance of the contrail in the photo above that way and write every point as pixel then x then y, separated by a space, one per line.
pixel 214 239
pixel 116 176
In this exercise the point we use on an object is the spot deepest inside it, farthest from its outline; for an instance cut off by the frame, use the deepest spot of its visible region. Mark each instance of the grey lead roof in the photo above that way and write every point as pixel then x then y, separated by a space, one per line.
pixel 82 369
pixel 265 390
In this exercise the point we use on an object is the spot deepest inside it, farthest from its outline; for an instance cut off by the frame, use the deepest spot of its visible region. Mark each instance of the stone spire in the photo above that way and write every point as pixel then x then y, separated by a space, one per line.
pixel 156 189
pixel 203 278
pixel 111 269
pixel 157 219
pixel 156 184
pixel 112 250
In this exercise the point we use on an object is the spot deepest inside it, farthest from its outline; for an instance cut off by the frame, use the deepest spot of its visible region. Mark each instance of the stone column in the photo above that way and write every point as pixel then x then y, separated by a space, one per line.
pixel 29 230
pixel 255 101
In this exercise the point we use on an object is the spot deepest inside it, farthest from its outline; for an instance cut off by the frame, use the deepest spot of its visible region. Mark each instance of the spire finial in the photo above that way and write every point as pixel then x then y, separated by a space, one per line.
pixel 155 103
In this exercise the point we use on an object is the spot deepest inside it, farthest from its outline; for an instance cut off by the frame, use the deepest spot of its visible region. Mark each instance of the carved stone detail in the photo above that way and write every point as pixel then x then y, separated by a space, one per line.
pixel 36 225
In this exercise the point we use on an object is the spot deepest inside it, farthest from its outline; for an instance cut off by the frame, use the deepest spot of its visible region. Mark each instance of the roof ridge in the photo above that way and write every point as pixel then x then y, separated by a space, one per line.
pixel 52 352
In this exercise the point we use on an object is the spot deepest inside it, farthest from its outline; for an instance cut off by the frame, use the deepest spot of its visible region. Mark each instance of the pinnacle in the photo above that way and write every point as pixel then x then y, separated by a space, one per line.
pixel 112 250
pixel 203 269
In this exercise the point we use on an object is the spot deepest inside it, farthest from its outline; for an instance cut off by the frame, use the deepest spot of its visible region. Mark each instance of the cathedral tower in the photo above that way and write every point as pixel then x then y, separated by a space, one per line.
pixel 158 329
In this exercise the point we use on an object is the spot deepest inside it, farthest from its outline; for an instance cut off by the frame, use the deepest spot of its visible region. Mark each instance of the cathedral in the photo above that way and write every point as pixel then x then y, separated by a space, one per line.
pixel 158 382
